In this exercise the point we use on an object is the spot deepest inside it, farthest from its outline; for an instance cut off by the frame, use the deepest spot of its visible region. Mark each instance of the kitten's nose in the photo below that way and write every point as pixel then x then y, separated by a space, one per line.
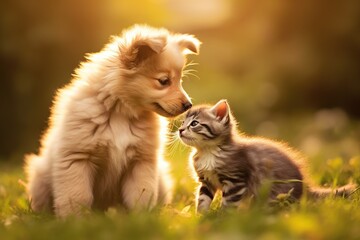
pixel 181 131
pixel 186 105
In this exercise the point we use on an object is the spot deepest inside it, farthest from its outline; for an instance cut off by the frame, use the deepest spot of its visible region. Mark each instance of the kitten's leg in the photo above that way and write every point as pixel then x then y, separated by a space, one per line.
pixel 73 186
pixel 140 187
pixel 205 196
pixel 232 193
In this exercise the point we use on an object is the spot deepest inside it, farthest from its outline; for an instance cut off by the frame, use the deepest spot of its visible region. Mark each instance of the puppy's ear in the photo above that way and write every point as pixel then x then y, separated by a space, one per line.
pixel 189 44
pixel 140 49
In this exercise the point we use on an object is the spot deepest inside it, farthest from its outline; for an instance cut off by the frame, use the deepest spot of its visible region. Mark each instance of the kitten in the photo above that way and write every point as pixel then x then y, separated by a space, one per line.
pixel 238 165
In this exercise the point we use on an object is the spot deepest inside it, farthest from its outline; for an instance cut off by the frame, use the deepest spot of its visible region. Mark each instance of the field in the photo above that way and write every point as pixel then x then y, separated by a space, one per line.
pixel 289 69
pixel 330 218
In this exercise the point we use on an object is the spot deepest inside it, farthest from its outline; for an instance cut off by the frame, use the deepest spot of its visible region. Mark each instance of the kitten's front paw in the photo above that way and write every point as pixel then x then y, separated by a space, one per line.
pixel 202 209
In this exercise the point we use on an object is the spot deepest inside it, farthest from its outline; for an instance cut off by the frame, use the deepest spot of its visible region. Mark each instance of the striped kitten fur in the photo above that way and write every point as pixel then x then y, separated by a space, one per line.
pixel 238 165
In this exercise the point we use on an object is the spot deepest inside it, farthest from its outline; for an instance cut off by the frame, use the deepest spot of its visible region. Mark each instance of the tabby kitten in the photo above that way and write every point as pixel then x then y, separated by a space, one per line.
pixel 235 164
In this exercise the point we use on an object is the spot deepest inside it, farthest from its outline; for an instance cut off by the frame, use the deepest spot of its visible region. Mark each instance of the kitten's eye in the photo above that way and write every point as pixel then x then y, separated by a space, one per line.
pixel 164 81
pixel 194 123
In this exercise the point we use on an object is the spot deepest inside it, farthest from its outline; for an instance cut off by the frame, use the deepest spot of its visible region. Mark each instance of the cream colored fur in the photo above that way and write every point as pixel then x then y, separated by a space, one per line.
pixel 104 143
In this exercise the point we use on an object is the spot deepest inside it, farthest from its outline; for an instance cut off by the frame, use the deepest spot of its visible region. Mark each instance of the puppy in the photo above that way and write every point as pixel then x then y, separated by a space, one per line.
pixel 103 146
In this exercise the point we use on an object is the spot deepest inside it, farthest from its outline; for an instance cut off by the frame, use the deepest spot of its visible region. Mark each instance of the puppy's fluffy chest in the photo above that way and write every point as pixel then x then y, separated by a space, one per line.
pixel 119 131
pixel 127 137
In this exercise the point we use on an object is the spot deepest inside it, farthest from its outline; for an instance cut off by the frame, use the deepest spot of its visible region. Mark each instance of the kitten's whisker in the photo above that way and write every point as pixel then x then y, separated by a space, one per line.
pixel 174 145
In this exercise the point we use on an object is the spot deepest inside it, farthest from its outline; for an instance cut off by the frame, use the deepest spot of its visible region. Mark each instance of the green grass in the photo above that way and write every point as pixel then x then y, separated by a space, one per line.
pixel 331 218
pixel 326 219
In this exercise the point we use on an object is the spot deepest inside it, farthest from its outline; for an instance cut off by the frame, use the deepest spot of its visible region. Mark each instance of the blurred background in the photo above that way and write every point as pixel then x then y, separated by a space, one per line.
pixel 290 69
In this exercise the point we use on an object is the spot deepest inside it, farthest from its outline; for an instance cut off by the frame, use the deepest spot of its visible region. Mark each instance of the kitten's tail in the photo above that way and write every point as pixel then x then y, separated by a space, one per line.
pixel 344 191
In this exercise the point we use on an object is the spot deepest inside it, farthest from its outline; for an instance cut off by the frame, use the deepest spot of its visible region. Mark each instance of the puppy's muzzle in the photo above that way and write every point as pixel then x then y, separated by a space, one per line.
pixel 186 105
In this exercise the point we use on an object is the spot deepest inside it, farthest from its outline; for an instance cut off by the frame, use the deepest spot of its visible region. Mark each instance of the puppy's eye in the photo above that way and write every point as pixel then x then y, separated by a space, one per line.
pixel 194 123
pixel 164 81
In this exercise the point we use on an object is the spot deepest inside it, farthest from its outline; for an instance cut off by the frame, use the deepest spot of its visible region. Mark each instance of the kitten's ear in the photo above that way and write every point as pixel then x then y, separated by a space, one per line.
pixel 188 43
pixel 221 110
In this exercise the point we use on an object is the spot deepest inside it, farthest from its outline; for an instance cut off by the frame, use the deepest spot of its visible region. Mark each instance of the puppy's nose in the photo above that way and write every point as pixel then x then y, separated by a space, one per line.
pixel 186 105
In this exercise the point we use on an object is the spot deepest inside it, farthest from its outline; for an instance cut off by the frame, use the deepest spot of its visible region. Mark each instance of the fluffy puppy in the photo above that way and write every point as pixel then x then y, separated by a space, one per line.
pixel 103 146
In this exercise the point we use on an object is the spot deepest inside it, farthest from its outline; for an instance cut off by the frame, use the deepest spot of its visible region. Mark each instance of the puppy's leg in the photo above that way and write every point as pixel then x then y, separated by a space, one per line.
pixel 73 186
pixel 165 190
pixel 39 183
pixel 140 189
pixel 165 183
